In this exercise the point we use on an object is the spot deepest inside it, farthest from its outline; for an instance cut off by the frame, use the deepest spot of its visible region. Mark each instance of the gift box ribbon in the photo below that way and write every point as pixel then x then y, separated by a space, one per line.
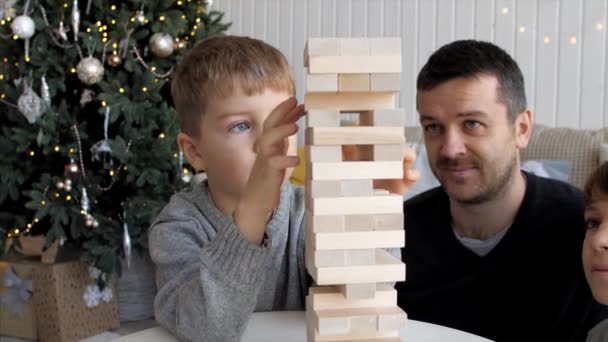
pixel 17 292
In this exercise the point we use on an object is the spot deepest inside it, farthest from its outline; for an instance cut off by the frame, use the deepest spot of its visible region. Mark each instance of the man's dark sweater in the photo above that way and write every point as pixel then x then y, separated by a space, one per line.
pixel 530 287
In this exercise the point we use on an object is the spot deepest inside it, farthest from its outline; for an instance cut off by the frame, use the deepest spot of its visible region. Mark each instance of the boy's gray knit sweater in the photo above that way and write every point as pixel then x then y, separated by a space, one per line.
pixel 210 279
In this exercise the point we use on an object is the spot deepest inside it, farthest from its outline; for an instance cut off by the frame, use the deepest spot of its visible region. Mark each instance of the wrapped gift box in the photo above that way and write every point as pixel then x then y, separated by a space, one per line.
pixel 57 309
pixel 17 314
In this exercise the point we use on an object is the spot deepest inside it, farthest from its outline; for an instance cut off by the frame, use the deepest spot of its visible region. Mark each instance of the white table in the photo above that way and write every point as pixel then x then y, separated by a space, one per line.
pixel 284 326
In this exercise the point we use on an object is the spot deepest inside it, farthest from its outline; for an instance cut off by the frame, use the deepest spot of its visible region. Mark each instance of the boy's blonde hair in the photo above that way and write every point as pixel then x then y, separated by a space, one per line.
pixel 216 66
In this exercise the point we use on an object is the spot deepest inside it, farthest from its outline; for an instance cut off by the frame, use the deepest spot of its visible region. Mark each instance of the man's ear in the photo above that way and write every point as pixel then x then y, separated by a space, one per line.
pixel 523 128
pixel 188 145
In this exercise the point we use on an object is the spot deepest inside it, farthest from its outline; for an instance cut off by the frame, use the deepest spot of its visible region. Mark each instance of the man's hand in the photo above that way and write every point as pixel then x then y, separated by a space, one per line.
pixel 396 186
pixel 263 189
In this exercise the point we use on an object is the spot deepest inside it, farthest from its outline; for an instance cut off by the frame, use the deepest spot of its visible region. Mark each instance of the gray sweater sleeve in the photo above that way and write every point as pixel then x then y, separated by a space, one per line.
pixel 207 281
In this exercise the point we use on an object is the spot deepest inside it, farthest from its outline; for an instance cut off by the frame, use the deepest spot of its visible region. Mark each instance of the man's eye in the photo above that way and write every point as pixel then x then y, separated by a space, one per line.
pixel 432 128
pixel 240 127
pixel 472 124
pixel 592 224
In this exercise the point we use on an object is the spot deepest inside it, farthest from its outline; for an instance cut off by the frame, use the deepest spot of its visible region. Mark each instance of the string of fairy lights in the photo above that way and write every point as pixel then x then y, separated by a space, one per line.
pixel 114 52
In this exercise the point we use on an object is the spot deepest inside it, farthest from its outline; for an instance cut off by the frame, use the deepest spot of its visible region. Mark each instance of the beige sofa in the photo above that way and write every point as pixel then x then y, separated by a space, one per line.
pixel 585 149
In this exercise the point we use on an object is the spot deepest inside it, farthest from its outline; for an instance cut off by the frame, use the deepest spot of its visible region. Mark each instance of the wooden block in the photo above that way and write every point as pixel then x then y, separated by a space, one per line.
pixel 359 223
pixel 323 118
pixel 359 337
pixel 323 188
pixel 354 82
pixel 382 117
pixel 332 322
pixel 381 192
pixel 332 258
pixel 391 318
pixel 385 46
pixel 388 221
pixel 320 47
pixel 357 205
pixel 357 240
pixel 326 153
pixel 353 102
pixel 330 297
pixel 354 47
pixel 322 83
pixel 393 152
pixel 355 135
pixel 387 269
pixel 356 187
pixel 358 291
pixel 324 223
pixel 385 82
pixel 355 170
pixel 359 257
pixel 354 64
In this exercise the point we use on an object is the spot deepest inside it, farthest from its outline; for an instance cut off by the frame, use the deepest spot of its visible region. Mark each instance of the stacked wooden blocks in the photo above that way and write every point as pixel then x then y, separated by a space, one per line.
pixel 349 224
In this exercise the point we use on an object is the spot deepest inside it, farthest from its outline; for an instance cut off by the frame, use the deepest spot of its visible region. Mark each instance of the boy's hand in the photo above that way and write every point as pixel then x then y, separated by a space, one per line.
pixel 263 189
pixel 396 186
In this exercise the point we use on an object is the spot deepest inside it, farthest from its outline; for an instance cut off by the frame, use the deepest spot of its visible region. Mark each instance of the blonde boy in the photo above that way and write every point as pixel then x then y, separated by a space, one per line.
pixel 233 244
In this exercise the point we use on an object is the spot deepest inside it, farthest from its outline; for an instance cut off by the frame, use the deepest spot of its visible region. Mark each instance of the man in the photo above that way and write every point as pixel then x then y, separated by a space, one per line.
pixel 494 251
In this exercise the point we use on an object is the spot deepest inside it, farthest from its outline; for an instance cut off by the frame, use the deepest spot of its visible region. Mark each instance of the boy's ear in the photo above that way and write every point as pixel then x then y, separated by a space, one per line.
pixel 188 145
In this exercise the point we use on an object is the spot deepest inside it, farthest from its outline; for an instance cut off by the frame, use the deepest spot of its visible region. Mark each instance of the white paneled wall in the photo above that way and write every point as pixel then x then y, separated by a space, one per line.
pixel 560 45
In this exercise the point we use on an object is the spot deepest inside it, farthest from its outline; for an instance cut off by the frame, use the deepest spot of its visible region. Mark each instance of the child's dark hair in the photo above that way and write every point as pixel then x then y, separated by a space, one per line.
pixel 597 183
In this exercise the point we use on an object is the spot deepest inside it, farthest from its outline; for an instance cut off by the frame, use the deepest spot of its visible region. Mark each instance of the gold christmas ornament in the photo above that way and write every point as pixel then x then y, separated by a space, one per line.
pixel 114 60
pixel 90 70
pixel 161 44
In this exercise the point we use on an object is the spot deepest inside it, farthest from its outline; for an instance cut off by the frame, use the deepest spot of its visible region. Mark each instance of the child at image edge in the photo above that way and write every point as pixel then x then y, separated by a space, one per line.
pixel 595 246
pixel 234 244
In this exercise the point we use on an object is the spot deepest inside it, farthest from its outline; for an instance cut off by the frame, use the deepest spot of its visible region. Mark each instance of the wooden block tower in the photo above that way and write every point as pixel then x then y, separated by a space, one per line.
pixel 349 225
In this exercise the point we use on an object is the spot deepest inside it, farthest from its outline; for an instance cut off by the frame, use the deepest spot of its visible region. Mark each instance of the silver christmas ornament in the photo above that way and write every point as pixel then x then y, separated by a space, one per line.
pixel 72 167
pixel 90 70
pixel 84 201
pixel 126 243
pixel 31 105
pixel 62 32
pixel 75 19
pixel 186 176
pixel 161 44
pixel 23 26
pixel 101 150
pixel 140 16
pixel 86 97
pixel 45 92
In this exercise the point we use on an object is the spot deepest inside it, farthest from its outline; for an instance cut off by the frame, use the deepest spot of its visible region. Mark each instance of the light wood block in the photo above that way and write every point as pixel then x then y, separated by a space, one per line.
pixel 330 297
pixel 343 257
pixel 385 82
pixel 389 222
pixel 354 64
pixel 354 47
pixel 386 204
pixel 355 240
pixel 381 192
pixel 385 46
pixel 387 269
pixel 346 321
pixel 354 82
pixel 323 223
pixel 353 102
pixel 324 188
pixel 355 136
pixel 359 223
pixel 392 152
pixel 322 83
pixel 323 118
pixel 383 117
pixel 320 47
pixel 355 170
pixel 392 336
pixel 358 291
pixel 356 187
pixel 391 318
pixel 325 153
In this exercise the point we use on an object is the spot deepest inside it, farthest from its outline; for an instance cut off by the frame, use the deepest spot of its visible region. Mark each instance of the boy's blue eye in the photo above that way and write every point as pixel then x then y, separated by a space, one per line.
pixel 240 127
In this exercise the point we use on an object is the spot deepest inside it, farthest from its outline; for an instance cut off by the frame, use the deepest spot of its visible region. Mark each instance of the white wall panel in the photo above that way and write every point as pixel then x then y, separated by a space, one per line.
pixel 560 45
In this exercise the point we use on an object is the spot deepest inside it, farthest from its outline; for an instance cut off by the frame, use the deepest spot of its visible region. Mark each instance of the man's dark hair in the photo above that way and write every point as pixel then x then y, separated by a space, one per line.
pixel 470 58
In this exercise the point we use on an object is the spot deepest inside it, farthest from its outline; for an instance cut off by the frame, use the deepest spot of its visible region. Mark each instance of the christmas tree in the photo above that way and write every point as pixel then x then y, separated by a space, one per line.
pixel 87 143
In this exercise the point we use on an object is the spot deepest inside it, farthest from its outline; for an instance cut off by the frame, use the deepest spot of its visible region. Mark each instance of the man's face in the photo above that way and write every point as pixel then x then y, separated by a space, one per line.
pixel 472 145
